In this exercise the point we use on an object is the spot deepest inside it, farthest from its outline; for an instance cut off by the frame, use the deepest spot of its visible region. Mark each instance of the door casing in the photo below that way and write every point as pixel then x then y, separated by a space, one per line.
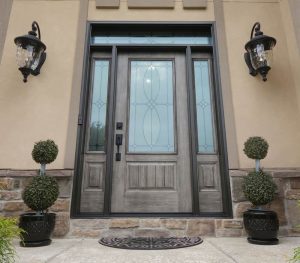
pixel 220 123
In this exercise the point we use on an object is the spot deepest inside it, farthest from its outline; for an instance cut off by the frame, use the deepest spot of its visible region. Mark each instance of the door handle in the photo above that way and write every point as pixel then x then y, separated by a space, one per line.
pixel 119 142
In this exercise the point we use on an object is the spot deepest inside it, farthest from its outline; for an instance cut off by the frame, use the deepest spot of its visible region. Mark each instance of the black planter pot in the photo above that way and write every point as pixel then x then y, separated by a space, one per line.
pixel 38 229
pixel 261 226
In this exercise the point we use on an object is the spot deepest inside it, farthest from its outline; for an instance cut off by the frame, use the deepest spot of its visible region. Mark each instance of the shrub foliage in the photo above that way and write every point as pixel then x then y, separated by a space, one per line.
pixel 259 188
pixel 256 148
pixel 8 231
pixel 44 152
pixel 41 193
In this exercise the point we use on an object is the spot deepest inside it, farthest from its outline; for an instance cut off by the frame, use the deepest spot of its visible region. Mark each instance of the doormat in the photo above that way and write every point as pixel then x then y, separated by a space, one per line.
pixel 150 243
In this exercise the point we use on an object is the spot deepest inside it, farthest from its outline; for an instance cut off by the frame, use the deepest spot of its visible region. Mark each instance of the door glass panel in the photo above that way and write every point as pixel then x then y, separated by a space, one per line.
pixel 98 107
pixel 178 40
pixel 205 120
pixel 151 120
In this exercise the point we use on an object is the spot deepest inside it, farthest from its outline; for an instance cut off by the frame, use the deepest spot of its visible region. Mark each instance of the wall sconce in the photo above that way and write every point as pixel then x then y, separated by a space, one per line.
pixel 30 52
pixel 259 52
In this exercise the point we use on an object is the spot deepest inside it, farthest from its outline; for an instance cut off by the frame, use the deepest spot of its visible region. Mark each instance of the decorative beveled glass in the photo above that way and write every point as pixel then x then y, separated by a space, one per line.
pixel 151 120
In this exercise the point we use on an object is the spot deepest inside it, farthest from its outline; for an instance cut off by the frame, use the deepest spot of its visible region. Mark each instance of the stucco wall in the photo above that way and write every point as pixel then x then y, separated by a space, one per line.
pixel 176 14
pixel 41 108
pixel 38 109
pixel 269 109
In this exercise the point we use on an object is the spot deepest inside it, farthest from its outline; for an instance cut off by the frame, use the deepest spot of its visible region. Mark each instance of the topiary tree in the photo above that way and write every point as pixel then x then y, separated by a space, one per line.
pixel 43 190
pixel 259 188
pixel 41 193
pixel 44 152
pixel 256 148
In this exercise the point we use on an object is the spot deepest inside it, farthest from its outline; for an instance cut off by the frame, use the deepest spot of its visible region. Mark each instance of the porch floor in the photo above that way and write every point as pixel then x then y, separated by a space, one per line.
pixel 212 250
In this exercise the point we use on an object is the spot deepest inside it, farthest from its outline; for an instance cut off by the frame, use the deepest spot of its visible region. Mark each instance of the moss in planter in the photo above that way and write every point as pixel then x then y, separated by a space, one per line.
pixel 256 148
pixel 41 193
pixel 259 188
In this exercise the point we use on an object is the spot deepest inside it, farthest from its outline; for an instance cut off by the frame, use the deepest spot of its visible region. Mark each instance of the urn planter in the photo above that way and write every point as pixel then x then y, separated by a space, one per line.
pixel 261 226
pixel 38 229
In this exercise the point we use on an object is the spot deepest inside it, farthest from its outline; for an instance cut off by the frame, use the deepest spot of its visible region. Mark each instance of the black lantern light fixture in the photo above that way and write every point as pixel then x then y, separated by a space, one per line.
pixel 30 52
pixel 259 52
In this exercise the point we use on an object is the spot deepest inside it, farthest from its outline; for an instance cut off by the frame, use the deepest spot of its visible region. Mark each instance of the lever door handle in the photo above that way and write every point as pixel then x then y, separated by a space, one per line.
pixel 119 141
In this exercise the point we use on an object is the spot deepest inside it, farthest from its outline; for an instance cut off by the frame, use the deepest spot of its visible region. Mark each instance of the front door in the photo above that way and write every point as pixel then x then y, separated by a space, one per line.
pixel 151 167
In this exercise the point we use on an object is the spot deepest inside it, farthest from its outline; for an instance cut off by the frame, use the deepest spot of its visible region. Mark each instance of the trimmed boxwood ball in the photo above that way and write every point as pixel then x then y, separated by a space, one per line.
pixel 44 152
pixel 256 148
pixel 41 193
pixel 259 188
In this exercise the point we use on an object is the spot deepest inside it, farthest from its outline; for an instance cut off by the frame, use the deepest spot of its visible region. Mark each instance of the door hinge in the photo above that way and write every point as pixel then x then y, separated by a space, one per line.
pixel 80 120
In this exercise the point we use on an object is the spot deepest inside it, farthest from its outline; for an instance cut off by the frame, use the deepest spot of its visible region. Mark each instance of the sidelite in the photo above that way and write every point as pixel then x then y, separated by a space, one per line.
pixel 149 141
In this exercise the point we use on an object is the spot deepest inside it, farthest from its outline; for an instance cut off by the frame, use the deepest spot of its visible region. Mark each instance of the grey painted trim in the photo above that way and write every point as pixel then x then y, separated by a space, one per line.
pixel 107 3
pixel 76 83
pixel 5 8
pixel 233 157
pixel 151 3
pixel 295 12
pixel 193 4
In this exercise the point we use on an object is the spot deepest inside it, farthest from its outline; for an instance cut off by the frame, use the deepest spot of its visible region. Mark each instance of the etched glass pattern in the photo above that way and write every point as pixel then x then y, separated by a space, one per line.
pixel 151 121
pixel 205 119
pixel 98 107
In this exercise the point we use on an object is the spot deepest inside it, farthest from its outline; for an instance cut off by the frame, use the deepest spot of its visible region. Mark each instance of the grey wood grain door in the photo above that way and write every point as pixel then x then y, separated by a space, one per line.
pixel 153 174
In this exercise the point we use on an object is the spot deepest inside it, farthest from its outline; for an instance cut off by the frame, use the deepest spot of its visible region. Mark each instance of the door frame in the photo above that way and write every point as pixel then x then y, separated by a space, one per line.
pixel 93 26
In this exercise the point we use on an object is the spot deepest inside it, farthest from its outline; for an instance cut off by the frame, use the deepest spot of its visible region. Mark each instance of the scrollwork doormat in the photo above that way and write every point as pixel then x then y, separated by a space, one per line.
pixel 150 243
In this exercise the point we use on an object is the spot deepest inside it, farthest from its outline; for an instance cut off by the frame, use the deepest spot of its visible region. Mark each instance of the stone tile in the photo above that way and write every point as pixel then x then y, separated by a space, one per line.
pixel 277 205
pixel 65 186
pixel 293 194
pixel 61 205
pixel 90 223
pixel 6 183
pixel 151 233
pixel 12 206
pixel 10 195
pixel 231 223
pixel 295 183
pixel 62 224
pixel 237 189
pixel 238 173
pixel 293 213
pixel 117 232
pixel 150 223
pixel 124 223
pixel 174 223
pixel 85 233
pixel 240 208
pixel 199 227
pixel 228 232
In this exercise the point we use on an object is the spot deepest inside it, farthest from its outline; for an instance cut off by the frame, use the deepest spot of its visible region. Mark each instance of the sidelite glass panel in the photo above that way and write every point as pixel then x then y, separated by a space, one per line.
pixel 98 107
pixel 205 119
pixel 151 121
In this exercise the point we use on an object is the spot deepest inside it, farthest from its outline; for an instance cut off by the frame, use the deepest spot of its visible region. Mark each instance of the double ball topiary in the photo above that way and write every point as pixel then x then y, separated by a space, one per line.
pixel 259 188
pixel 45 152
pixel 256 148
pixel 41 193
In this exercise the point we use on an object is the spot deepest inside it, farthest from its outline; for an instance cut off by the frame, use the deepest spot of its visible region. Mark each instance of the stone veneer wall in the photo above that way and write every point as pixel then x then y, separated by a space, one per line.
pixel 13 182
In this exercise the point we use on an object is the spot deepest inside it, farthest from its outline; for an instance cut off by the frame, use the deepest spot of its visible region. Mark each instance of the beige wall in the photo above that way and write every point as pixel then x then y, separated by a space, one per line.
pixel 42 108
pixel 176 14
pixel 267 109
pixel 38 109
